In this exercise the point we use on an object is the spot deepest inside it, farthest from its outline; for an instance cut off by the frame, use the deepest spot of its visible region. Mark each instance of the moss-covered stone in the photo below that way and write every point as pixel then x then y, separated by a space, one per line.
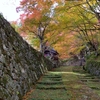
pixel 93 67
pixel 20 64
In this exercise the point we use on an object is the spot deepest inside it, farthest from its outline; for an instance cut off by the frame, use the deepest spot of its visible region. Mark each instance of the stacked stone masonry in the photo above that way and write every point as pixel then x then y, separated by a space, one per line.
pixel 93 67
pixel 20 65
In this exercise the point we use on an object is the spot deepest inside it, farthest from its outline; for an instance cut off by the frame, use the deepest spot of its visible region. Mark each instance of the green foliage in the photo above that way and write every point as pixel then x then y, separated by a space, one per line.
pixel 80 48
pixel 1 15
pixel 35 42
pixel 72 18
pixel 94 57
pixel 91 56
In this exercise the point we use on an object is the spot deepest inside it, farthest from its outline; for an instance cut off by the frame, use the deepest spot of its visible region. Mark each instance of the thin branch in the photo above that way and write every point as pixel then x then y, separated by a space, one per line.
pixel 76 5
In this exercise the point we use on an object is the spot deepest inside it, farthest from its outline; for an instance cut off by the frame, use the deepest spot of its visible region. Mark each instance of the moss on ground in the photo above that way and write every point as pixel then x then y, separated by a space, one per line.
pixel 50 87
pixel 66 83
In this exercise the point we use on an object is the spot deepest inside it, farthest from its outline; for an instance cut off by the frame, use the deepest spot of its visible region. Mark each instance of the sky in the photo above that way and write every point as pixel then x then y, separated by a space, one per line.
pixel 8 9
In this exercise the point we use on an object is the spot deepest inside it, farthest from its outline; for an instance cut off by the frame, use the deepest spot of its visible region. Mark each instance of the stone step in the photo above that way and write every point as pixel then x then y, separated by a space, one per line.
pixel 50 83
pixel 50 88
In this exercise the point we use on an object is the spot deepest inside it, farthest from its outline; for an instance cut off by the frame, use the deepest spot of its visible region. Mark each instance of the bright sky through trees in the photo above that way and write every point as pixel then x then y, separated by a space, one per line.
pixel 8 9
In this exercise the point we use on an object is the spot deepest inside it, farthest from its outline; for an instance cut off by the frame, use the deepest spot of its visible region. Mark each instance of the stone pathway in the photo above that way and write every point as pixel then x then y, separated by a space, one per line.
pixel 66 83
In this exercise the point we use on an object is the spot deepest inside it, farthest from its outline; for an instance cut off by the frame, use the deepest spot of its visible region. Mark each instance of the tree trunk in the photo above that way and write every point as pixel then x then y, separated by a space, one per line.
pixel 41 46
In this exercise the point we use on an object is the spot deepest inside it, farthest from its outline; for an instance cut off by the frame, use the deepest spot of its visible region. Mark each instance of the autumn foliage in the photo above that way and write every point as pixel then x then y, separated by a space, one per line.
pixel 68 26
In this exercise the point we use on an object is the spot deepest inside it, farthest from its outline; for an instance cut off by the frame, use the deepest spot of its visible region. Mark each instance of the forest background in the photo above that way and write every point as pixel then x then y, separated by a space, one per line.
pixel 68 26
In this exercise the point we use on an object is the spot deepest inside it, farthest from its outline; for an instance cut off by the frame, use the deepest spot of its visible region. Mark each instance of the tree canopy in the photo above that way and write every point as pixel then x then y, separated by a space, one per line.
pixel 68 26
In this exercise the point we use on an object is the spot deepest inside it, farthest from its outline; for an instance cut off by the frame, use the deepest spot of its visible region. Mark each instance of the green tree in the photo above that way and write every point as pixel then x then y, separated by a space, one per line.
pixel 36 18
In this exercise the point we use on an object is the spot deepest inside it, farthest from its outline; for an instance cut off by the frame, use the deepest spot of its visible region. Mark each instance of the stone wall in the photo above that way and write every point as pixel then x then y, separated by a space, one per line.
pixel 93 67
pixel 20 65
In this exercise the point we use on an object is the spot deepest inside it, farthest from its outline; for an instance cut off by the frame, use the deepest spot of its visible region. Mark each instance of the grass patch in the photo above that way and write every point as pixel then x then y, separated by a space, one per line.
pixel 60 94
pixel 65 83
